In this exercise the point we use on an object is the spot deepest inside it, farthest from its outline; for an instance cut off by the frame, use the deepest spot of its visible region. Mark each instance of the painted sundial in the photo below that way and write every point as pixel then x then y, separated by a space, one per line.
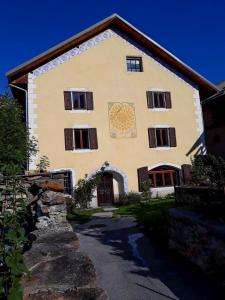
pixel 122 121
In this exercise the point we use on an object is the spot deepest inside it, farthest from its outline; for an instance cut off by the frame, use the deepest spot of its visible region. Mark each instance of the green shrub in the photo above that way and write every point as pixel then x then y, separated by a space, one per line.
pixel 43 164
pixel 16 146
pixel 84 190
pixel 208 170
pixel 134 197
pixel 146 189
pixel 129 198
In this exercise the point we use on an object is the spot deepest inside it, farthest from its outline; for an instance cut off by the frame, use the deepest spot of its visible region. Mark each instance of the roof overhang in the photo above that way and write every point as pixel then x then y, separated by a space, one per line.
pixel 116 22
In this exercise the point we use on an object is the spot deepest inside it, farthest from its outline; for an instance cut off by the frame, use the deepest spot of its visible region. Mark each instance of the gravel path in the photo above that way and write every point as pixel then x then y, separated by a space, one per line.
pixel 130 267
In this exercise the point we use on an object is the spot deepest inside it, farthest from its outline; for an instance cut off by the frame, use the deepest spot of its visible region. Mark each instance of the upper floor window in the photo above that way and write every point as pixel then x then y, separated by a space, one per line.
pixel 158 99
pixel 80 138
pixel 134 64
pixel 162 137
pixel 78 100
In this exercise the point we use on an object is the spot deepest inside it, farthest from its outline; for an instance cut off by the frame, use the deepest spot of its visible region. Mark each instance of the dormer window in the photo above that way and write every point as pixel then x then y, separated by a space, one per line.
pixel 134 64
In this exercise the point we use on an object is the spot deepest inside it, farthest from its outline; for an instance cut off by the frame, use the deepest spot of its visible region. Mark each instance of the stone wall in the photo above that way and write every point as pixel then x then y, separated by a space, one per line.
pixel 200 240
pixel 58 270
pixel 199 196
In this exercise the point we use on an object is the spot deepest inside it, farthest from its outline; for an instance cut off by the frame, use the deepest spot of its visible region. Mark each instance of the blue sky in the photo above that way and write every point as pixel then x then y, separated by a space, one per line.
pixel 192 30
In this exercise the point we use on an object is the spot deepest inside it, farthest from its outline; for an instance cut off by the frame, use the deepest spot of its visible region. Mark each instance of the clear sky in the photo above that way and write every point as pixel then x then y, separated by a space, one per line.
pixel 193 30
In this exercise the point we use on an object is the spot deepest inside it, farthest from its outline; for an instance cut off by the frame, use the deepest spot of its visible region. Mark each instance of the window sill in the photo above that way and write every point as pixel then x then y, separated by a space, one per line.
pixel 162 187
pixel 82 151
pixel 162 148
pixel 159 109
pixel 79 111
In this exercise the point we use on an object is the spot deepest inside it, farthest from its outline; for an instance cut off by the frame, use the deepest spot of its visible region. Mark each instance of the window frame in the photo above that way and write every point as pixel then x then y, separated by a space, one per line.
pixel 162 172
pixel 85 99
pixel 161 137
pixel 157 93
pixel 81 138
pixel 134 70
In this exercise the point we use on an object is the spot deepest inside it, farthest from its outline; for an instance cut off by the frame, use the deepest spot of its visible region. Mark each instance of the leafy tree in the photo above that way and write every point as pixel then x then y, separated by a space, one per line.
pixel 208 169
pixel 84 190
pixel 43 164
pixel 15 149
pixel 15 145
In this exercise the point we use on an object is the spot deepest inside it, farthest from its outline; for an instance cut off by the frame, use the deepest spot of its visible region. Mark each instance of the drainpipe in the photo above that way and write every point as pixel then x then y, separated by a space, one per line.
pixel 26 112
pixel 26 99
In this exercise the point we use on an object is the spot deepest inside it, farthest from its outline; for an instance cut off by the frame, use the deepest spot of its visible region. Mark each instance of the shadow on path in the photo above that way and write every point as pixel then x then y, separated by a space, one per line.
pixel 131 266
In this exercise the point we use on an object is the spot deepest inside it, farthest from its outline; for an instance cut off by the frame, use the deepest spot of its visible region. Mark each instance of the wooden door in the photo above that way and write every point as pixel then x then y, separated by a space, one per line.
pixel 105 193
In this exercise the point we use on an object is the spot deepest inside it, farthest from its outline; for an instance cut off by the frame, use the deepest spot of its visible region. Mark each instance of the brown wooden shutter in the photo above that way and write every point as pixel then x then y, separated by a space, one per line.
pixel 186 173
pixel 93 138
pixel 150 99
pixel 90 103
pixel 172 134
pixel 168 100
pixel 152 137
pixel 142 176
pixel 68 135
pixel 67 100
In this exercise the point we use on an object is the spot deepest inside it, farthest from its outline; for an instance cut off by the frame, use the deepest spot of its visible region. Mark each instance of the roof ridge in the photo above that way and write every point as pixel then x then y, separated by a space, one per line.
pixel 114 20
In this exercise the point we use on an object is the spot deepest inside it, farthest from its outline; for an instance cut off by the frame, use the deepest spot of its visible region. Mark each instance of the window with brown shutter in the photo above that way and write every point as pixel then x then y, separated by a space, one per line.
pixel 150 99
pixel 67 100
pixel 168 100
pixel 157 99
pixel 69 139
pixel 142 177
pixel 162 137
pixel 93 138
pixel 172 137
pixel 151 137
pixel 78 100
pixel 90 103
pixel 186 173
pixel 80 138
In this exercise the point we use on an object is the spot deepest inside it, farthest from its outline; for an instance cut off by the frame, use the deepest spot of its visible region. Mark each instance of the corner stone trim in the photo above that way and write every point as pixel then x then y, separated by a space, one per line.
pixel 32 116
pixel 98 39
pixel 73 52
pixel 199 120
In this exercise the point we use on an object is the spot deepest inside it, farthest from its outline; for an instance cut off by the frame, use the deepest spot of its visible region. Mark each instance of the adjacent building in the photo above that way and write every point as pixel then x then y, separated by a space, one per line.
pixel 110 93
pixel 214 121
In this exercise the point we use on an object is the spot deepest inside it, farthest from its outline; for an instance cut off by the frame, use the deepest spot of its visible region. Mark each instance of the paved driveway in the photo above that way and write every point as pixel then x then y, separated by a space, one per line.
pixel 131 267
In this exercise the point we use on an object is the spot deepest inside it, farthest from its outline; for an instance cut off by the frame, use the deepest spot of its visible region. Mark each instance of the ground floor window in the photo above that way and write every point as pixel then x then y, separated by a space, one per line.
pixel 163 176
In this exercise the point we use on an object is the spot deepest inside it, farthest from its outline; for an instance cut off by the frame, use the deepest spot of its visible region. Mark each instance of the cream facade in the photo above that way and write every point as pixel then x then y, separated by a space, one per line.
pixel 99 66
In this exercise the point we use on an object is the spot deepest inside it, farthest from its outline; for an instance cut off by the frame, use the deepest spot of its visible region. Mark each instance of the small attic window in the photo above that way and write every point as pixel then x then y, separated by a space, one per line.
pixel 134 64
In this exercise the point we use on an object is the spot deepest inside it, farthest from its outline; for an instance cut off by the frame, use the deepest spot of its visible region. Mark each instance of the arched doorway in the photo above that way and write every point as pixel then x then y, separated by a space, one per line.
pixel 105 192
pixel 113 184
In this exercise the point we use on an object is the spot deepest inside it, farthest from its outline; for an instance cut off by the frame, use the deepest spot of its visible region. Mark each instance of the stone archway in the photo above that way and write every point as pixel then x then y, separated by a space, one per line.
pixel 119 181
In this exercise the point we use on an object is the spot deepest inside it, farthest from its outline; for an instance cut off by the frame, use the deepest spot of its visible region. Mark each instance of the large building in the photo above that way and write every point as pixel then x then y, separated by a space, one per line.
pixel 110 93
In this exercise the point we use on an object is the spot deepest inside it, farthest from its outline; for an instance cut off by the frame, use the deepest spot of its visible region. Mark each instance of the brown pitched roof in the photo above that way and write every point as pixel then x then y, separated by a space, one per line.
pixel 221 85
pixel 114 22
